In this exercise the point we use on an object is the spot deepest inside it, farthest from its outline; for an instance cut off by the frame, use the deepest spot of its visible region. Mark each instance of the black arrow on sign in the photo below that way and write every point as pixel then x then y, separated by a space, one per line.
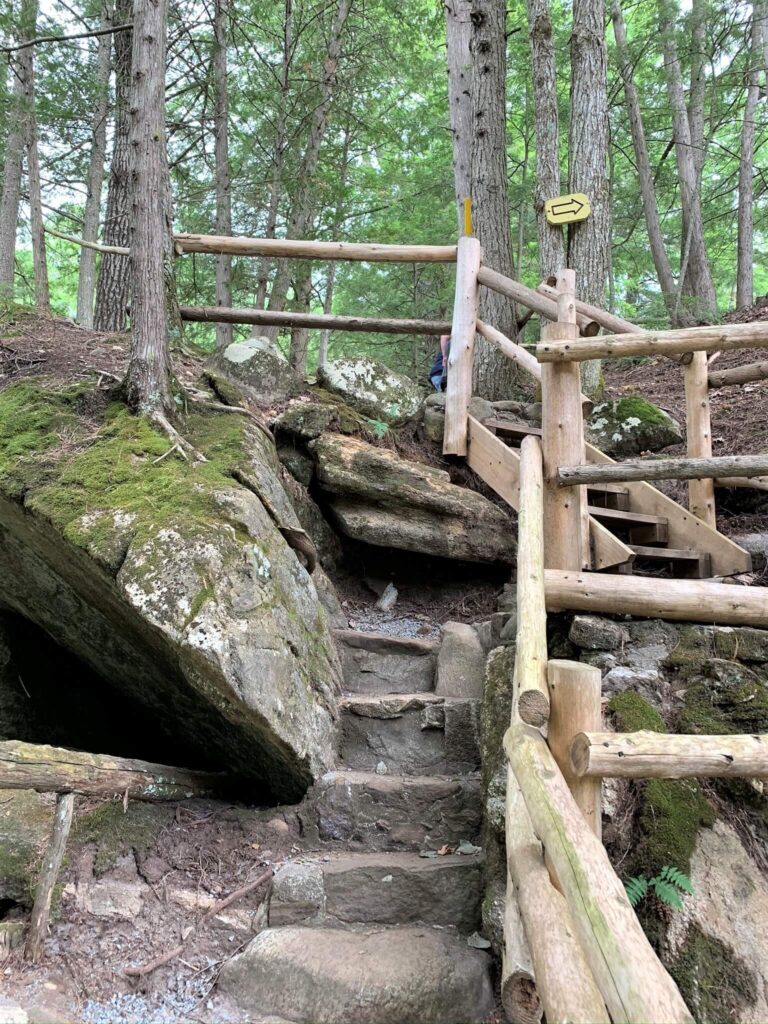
pixel 573 205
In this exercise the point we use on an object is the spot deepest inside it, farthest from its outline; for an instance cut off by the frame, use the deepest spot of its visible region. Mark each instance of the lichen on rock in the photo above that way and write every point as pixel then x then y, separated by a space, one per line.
pixel 373 389
pixel 258 366
pixel 630 426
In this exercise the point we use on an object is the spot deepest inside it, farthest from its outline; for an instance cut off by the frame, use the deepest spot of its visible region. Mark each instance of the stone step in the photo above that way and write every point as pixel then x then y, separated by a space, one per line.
pixel 417 974
pixel 410 734
pixel 395 812
pixel 377 663
pixel 379 888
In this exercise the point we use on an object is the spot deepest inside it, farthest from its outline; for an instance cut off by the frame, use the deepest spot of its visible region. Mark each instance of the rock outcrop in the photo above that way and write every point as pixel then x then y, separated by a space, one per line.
pixel 373 389
pixel 258 366
pixel 377 497
pixel 174 582
pixel 630 426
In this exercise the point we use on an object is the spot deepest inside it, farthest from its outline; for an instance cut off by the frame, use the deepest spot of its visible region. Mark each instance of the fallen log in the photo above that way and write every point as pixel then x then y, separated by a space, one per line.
pixel 631 979
pixel 738 375
pixel 653 755
pixel 57 770
pixel 54 857
pixel 678 600
pixel 321 321
pixel 650 343
pixel 721 466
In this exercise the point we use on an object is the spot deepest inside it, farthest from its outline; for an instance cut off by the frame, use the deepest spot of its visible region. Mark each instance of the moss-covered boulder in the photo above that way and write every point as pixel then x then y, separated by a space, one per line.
pixel 630 426
pixel 259 367
pixel 373 389
pixel 172 581
pixel 25 825
pixel 379 498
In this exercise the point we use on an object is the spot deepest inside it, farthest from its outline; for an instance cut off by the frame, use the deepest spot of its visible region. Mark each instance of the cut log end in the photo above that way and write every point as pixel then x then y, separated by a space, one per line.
pixel 520 999
pixel 533 708
pixel 580 754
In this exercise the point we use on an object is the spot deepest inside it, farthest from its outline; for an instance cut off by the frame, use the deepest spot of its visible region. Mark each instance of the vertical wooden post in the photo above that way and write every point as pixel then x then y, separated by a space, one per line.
pixel 41 911
pixel 574 693
pixel 566 525
pixel 701 493
pixel 459 390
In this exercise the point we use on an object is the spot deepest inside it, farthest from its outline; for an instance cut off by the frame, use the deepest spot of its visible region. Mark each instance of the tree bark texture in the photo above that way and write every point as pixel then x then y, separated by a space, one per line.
pixel 148 382
pixel 36 223
pixel 300 334
pixel 644 172
pixel 113 287
pixel 221 160
pixel 551 245
pixel 302 207
pixel 458 31
pixel 697 283
pixel 589 241
pixel 745 250
pixel 87 277
pixel 494 375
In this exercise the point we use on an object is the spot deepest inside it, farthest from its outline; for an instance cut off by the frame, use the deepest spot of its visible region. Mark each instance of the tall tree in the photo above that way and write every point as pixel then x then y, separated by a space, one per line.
pixel 114 282
pixel 458 34
pixel 546 119
pixel 494 374
pixel 154 314
pixel 92 213
pixel 589 241
pixel 645 174
pixel 696 273
pixel 36 223
pixel 221 160
pixel 745 247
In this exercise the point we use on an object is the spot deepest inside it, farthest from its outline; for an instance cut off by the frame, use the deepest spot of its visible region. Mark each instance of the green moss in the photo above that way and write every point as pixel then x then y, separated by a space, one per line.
pixel 115 832
pixel 673 812
pixel 714 983
pixel 224 389
pixel 633 713
pixel 730 698
pixel 639 408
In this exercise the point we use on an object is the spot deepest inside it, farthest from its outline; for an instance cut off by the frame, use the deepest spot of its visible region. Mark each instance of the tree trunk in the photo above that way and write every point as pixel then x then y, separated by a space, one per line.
pixel 745 249
pixel 153 312
pixel 551 247
pixel 644 172
pixel 36 223
pixel 279 152
pixel 223 184
pixel 11 194
pixel 458 31
pixel 338 218
pixel 697 281
pixel 300 335
pixel 114 283
pixel 494 375
pixel 589 241
pixel 87 277
pixel 300 216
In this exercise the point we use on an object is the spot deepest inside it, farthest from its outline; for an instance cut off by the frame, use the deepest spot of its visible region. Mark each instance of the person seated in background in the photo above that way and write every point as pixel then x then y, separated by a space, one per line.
pixel 438 375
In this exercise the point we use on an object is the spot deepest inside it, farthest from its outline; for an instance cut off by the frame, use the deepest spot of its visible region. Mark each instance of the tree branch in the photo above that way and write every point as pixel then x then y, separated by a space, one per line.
pixel 63 39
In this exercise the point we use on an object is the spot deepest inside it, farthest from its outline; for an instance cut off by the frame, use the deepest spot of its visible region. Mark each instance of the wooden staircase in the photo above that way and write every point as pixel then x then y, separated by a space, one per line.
pixel 634 528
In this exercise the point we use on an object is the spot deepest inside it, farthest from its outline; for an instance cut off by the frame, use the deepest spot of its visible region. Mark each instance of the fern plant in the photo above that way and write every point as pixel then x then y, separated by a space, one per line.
pixel 667 886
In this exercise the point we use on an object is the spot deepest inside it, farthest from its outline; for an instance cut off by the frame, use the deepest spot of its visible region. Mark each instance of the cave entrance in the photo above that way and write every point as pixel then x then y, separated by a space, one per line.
pixel 48 695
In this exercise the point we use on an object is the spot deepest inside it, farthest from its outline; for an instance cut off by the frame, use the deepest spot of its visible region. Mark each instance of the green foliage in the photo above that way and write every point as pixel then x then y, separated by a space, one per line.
pixel 667 886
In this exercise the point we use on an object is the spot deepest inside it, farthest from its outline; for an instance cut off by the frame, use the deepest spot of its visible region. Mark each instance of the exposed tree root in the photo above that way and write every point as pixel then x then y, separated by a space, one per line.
pixel 179 443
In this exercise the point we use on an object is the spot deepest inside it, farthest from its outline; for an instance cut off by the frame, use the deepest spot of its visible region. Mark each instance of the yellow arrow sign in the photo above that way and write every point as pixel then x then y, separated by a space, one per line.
pixel 567 209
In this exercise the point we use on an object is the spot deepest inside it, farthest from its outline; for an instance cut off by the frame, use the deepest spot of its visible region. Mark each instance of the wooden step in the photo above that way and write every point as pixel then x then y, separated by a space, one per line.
pixel 642 528
pixel 609 496
pixel 695 565
pixel 512 431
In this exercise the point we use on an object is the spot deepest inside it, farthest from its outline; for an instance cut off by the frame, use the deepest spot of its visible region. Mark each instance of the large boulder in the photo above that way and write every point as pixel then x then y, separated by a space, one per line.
pixel 25 825
pixel 377 497
pixel 258 365
pixel 631 426
pixel 373 389
pixel 176 583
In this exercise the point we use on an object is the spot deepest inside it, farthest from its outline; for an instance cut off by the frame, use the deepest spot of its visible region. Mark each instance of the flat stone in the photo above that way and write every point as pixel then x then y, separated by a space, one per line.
pixel 460 662
pixel 593 633
pixel 376 663
pixel 646 682
pixel 326 976
pixel 391 812
pixel 114 898
pixel 297 893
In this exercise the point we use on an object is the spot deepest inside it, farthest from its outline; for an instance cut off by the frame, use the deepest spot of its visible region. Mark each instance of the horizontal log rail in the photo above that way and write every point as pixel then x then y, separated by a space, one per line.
pixel 654 755
pixel 543 305
pixel 58 770
pixel 725 337
pixel 738 375
pixel 664 469
pixel 300 249
pixel 267 318
pixel 524 359
pixel 678 600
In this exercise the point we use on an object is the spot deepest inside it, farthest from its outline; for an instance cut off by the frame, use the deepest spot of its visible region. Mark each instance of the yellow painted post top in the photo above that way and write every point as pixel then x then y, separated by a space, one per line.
pixel 467 216
pixel 567 209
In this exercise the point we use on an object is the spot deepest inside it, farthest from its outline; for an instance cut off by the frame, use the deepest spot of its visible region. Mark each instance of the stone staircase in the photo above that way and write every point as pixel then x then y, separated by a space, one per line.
pixel 372 926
